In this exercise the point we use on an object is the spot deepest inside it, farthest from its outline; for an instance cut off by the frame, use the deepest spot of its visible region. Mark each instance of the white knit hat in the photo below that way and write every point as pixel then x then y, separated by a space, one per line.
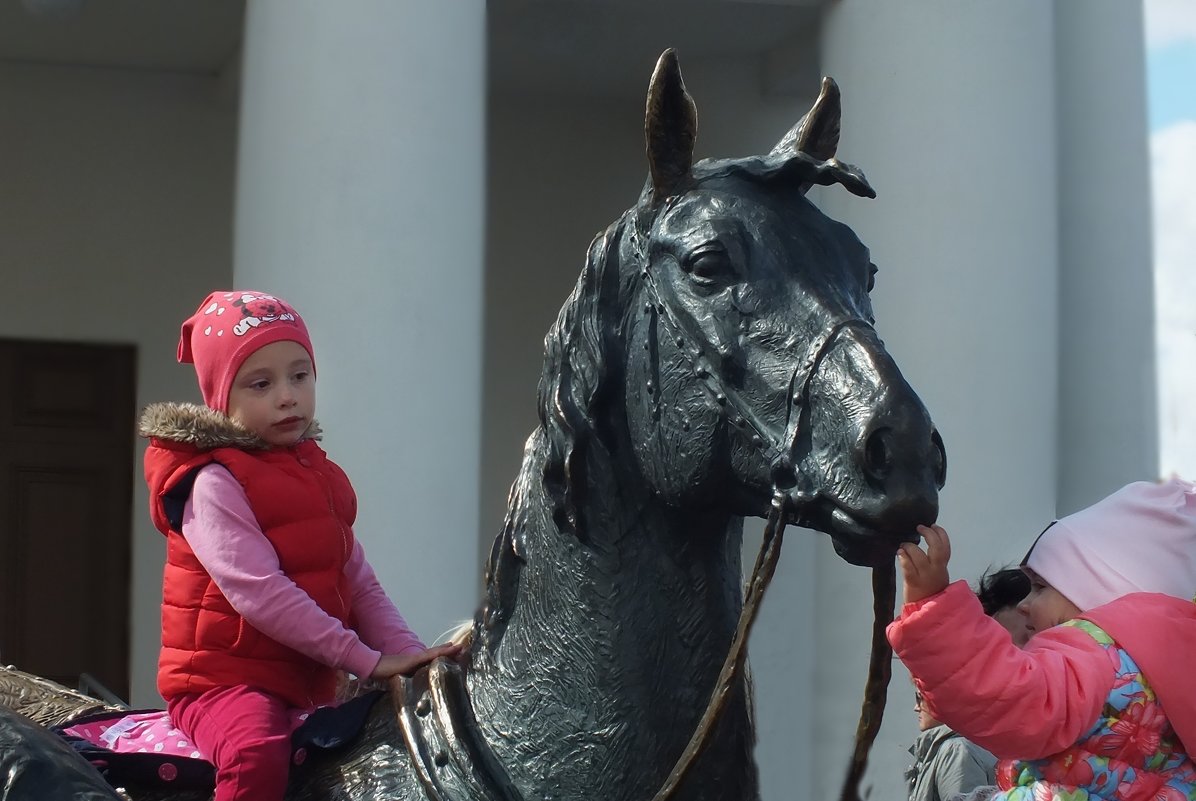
pixel 1142 538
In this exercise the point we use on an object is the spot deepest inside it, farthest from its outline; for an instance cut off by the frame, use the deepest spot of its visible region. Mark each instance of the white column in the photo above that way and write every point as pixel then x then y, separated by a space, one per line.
pixel 1107 414
pixel 949 109
pixel 360 199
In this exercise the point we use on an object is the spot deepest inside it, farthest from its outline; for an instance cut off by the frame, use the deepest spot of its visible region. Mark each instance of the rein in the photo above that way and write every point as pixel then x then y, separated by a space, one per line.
pixel 766 563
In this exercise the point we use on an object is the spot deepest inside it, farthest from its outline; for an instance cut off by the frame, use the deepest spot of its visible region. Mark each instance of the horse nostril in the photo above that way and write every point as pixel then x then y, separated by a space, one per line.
pixel 878 455
pixel 940 458
pixel 784 477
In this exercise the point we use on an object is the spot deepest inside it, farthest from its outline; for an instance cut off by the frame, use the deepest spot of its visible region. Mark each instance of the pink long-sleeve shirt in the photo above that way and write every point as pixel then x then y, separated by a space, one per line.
pixel 224 534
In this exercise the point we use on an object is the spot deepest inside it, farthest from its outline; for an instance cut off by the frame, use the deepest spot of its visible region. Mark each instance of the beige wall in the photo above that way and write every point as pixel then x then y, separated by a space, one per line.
pixel 557 174
pixel 114 222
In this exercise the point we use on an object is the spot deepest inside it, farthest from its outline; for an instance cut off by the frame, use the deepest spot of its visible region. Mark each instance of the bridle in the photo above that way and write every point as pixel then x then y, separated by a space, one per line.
pixel 780 451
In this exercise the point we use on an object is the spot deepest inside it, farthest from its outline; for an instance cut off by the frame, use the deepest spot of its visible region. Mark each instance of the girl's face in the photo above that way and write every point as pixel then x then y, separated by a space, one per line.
pixel 1045 607
pixel 274 393
pixel 1014 622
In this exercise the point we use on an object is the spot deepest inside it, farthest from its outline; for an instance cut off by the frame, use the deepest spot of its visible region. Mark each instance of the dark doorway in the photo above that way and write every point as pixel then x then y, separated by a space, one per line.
pixel 66 454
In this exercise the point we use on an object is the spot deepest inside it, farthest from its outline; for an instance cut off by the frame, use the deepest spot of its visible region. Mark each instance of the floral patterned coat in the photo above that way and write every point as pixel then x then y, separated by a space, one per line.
pixel 1073 716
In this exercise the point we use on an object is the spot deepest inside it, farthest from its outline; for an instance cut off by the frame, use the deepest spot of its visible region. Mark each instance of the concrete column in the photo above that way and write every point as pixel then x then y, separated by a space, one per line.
pixel 950 111
pixel 1107 414
pixel 360 199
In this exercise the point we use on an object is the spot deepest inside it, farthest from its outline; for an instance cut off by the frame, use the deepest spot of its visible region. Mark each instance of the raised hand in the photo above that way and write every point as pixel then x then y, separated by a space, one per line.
pixel 924 573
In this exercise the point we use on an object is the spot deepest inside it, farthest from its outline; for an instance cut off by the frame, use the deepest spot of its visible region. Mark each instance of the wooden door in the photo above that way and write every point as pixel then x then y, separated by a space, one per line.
pixel 66 461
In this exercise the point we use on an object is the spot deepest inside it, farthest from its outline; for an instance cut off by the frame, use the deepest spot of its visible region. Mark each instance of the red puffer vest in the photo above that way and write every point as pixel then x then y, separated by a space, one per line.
pixel 305 506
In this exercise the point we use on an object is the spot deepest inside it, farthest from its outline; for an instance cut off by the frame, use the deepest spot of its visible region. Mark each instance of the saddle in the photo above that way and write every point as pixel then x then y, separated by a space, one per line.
pixel 45 727
pixel 434 715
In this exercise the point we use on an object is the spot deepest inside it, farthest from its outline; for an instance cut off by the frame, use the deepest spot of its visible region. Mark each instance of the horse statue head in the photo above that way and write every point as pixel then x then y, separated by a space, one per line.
pixel 724 326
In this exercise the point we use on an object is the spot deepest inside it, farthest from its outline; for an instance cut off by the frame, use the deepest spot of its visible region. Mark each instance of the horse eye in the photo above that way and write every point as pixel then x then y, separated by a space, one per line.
pixel 707 265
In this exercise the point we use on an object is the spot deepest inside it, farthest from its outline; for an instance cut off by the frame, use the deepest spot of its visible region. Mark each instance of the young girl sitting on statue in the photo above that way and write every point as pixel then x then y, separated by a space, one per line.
pixel 266 592
pixel 1101 702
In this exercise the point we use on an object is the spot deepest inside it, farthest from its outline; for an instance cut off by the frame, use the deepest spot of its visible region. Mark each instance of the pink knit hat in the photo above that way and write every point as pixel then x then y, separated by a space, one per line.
pixel 226 329
pixel 1142 538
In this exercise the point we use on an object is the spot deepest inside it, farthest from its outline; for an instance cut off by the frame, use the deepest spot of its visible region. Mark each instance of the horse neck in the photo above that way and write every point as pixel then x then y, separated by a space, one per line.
pixel 623 629
pixel 634 553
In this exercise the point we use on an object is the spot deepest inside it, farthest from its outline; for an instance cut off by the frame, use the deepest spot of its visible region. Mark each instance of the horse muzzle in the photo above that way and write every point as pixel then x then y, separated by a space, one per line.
pixel 876 459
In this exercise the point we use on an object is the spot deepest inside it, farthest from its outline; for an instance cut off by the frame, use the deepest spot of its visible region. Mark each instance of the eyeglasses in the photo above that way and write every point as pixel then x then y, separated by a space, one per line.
pixel 918 700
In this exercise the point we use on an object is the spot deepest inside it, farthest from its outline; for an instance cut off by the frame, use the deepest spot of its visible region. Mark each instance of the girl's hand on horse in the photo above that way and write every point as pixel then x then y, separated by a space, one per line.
pixel 406 664
pixel 925 572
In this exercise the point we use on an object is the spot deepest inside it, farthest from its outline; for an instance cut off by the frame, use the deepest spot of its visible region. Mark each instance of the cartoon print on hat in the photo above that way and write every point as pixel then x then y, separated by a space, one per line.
pixel 255 309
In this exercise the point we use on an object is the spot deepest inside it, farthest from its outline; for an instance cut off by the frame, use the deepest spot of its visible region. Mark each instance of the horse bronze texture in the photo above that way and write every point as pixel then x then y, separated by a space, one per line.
pixel 716 357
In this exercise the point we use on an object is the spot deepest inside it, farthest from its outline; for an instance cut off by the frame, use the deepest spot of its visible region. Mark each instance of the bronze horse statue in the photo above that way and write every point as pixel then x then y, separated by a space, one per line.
pixel 716 359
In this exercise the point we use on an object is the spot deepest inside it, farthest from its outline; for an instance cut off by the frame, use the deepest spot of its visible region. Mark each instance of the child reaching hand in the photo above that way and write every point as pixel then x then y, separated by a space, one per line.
pixel 1101 702
pixel 266 592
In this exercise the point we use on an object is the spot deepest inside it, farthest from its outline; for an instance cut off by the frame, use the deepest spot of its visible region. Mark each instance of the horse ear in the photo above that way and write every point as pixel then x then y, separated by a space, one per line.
pixel 817 134
pixel 670 128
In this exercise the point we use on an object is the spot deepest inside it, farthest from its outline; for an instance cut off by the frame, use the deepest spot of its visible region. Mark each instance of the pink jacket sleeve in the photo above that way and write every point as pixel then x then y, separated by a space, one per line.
pixel 1018 703
pixel 378 620
pixel 221 529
